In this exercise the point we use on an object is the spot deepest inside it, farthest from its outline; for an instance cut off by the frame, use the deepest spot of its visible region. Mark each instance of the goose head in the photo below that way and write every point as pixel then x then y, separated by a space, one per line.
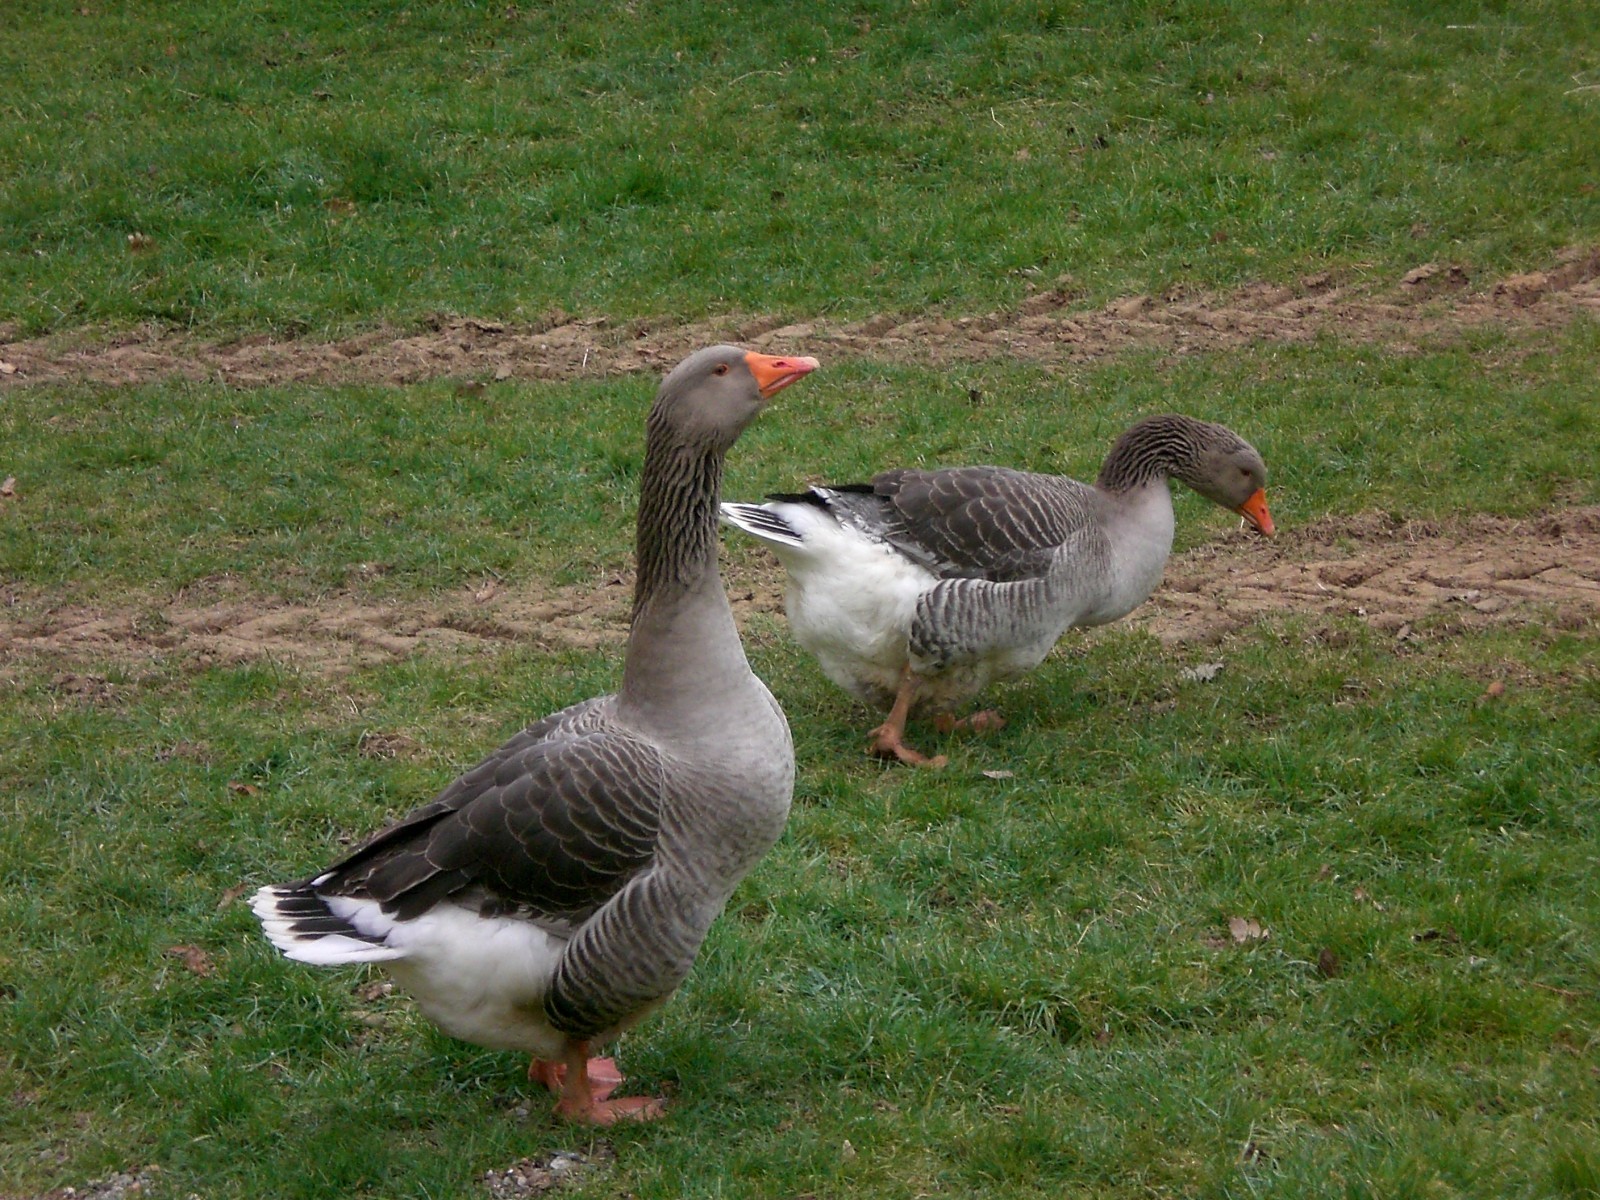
pixel 711 396
pixel 1227 470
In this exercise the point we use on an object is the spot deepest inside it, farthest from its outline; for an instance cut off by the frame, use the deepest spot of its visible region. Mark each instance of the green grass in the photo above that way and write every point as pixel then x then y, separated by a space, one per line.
pixel 938 984
pixel 314 166
pixel 394 491
pixel 1014 987
pixel 1009 987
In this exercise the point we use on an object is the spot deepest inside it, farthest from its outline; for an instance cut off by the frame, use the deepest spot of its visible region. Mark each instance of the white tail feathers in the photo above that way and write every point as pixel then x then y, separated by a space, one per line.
pixel 760 521
pixel 301 925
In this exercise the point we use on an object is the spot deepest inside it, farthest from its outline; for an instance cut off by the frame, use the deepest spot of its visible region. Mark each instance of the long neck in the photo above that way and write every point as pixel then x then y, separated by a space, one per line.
pixel 683 636
pixel 1154 449
pixel 676 535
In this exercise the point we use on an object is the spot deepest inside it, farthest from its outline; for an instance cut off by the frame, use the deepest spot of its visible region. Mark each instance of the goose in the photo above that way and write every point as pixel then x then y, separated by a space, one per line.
pixel 918 589
pixel 559 891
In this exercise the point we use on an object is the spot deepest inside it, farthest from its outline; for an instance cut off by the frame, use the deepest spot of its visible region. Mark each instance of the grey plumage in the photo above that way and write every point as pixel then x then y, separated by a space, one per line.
pixel 921 586
pixel 560 889
pixel 988 523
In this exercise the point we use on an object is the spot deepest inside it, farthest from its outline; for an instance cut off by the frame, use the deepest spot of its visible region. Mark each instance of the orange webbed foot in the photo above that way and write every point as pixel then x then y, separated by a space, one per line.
pixel 886 743
pixel 604 1078
pixel 609 1112
pixel 547 1073
pixel 586 1085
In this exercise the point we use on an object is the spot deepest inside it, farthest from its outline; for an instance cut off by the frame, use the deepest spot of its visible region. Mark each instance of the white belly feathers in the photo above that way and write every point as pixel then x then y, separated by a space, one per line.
pixel 851 602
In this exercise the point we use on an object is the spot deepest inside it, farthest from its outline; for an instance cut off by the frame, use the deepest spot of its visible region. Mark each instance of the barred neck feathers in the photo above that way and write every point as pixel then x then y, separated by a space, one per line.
pixel 1166 446
pixel 684 656
pixel 676 541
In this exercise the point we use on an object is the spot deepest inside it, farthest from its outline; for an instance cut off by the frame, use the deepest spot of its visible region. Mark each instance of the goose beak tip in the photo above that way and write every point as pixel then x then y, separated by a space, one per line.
pixel 1254 510
pixel 775 372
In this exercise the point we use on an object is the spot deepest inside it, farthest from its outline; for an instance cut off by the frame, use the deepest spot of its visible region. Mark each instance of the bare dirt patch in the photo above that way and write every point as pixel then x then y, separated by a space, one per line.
pixel 1392 574
pixel 333 635
pixel 1430 302
pixel 1478 570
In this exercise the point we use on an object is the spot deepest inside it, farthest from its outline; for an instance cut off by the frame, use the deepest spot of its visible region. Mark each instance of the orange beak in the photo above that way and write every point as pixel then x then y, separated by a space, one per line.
pixel 773 374
pixel 1255 511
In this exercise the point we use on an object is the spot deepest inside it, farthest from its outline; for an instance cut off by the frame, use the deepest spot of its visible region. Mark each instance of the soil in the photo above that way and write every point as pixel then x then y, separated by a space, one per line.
pixel 1394 575
pixel 1428 303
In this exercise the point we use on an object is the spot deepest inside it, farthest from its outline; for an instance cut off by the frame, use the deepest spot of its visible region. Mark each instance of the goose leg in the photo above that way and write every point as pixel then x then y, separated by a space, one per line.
pixel 604 1078
pixel 888 739
pixel 581 1101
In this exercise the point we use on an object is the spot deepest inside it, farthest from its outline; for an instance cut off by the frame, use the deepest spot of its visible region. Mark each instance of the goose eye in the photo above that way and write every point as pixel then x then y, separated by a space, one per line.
pixel 720 369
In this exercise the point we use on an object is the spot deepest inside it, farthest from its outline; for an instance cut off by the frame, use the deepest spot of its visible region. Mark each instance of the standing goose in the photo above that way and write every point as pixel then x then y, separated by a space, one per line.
pixel 559 891
pixel 921 587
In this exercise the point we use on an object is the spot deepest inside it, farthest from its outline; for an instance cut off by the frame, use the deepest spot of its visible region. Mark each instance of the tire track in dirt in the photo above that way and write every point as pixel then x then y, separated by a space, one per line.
pixel 1479 571
pixel 1429 302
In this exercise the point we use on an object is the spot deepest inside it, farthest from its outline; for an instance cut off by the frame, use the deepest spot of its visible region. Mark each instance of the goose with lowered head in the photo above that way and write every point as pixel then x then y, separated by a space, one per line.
pixel 916 590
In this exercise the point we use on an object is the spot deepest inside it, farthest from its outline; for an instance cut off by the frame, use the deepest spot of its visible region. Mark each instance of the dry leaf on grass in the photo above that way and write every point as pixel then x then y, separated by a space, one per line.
pixel 375 989
pixel 7 368
pixel 243 789
pixel 1203 673
pixel 232 894
pixel 196 959
pixel 8 486
pixel 1245 929
pixel 1361 896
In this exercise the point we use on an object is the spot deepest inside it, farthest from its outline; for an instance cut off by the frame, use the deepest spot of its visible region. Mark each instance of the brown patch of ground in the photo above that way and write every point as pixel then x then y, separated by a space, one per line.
pixel 1480 570
pixel 333 635
pixel 1429 302
pixel 1391 573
